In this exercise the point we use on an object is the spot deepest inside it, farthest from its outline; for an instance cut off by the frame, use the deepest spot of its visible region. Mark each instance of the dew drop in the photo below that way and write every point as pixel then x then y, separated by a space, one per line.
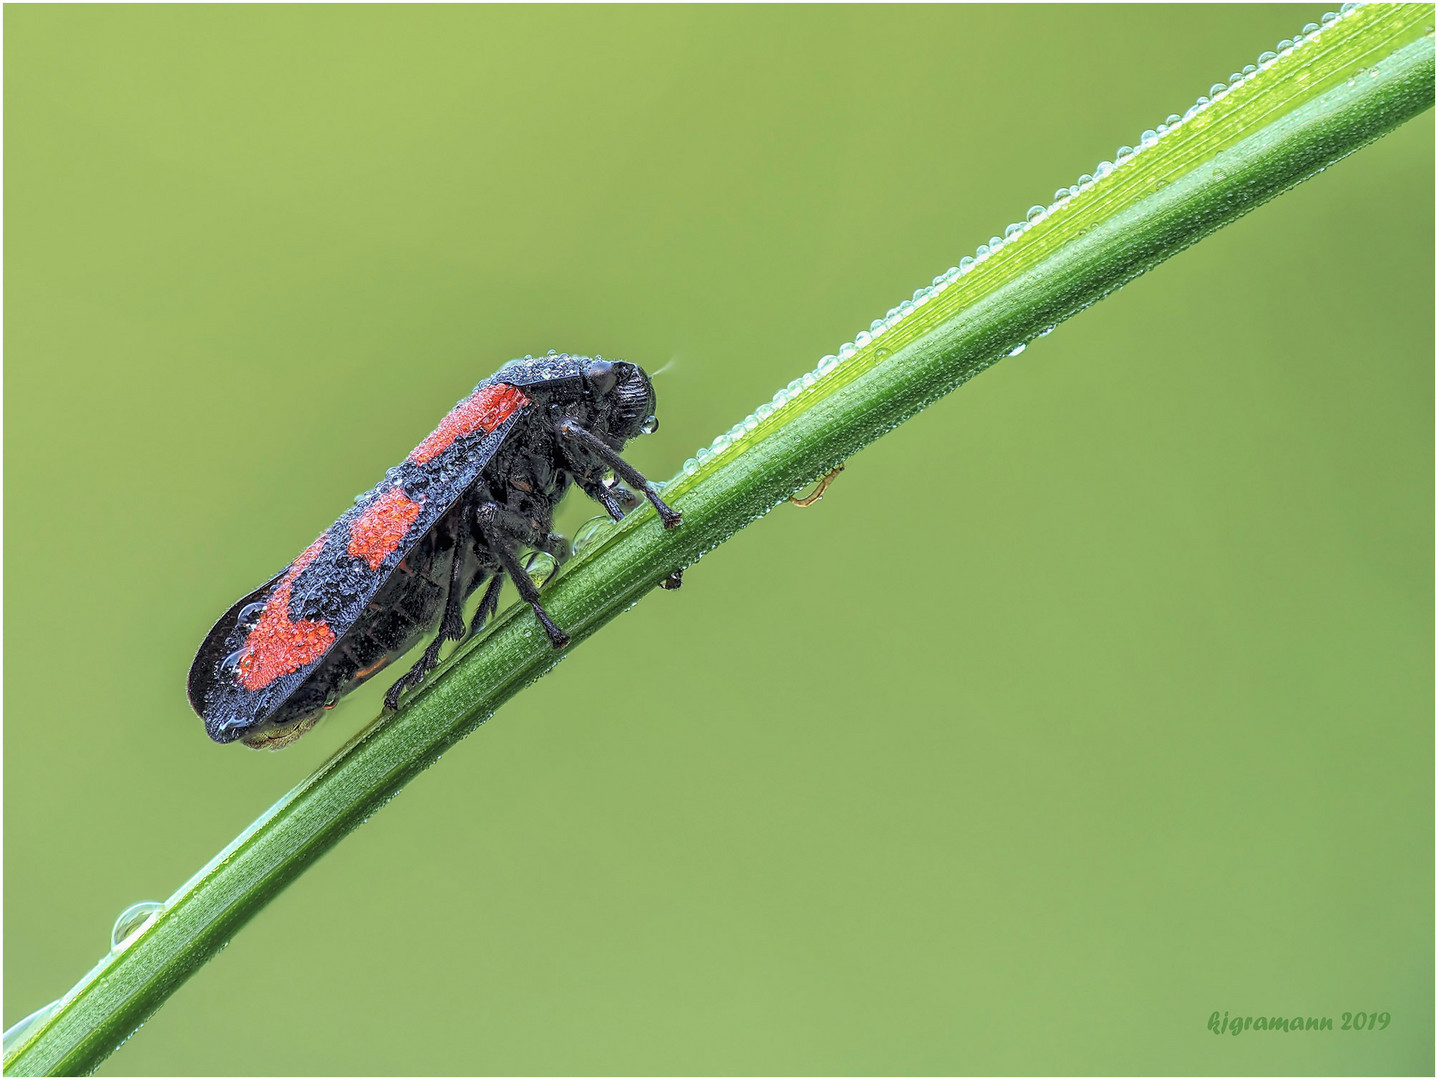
pixel 763 412
pixel 877 326
pixel 826 365
pixel 1085 180
pixel 1266 57
pixel 250 612
pixel 18 1032
pixel 589 532
pixel 1216 89
pixel 1328 18
pixel 846 351
pixel 1104 168
pixel 232 662
pixel 965 264
pixel 540 567
pixel 133 920
pixel 650 425
pixel 1020 347
pixel 1122 154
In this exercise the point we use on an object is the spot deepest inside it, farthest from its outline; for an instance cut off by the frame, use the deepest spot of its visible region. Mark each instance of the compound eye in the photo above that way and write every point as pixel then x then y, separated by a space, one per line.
pixel 601 376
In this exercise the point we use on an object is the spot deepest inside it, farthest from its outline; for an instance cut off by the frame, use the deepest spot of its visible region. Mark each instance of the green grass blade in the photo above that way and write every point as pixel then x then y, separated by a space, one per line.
pixel 1338 88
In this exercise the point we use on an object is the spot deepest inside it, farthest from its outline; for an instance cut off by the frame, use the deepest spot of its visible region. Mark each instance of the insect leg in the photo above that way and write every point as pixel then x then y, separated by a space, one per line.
pixel 451 627
pixel 572 434
pixel 501 529
pixel 488 604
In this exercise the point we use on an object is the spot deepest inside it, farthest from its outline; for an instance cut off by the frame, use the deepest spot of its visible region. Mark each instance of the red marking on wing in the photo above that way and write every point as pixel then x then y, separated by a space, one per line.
pixel 278 645
pixel 378 531
pixel 484 410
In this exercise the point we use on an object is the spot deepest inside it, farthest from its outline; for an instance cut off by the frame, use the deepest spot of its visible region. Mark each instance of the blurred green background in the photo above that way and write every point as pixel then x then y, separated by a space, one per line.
pixel 1095 699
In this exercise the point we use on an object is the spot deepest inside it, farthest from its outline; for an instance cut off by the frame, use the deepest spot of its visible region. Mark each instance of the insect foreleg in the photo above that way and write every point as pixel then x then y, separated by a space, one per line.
pixel 502 530
pixel 573 437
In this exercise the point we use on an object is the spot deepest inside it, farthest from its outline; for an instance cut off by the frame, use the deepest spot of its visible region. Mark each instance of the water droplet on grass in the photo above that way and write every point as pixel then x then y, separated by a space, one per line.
pixel 132 921
pixel 17 1033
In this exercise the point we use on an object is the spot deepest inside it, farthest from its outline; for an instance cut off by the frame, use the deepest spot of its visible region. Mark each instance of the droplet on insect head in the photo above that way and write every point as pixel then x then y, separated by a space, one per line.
pixel 250 612
pixel 232 662
pixel 132 921
pixel 540 566
pixel 650 425
pixel 18 1032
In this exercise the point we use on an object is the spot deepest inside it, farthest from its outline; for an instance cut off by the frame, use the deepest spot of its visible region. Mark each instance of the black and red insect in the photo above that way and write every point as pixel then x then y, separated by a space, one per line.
pixel 455 514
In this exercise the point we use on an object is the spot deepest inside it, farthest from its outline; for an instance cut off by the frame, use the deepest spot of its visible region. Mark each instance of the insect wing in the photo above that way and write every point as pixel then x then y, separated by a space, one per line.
pixel 269 642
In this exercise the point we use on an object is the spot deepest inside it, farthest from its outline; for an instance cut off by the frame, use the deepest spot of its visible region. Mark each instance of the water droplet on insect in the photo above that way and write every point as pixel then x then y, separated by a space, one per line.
pixel 132 921
pixel 250 612
pixel 540 566
pixel 650 425
pixel 232 662
pixel 17 1033
pixel 595 527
